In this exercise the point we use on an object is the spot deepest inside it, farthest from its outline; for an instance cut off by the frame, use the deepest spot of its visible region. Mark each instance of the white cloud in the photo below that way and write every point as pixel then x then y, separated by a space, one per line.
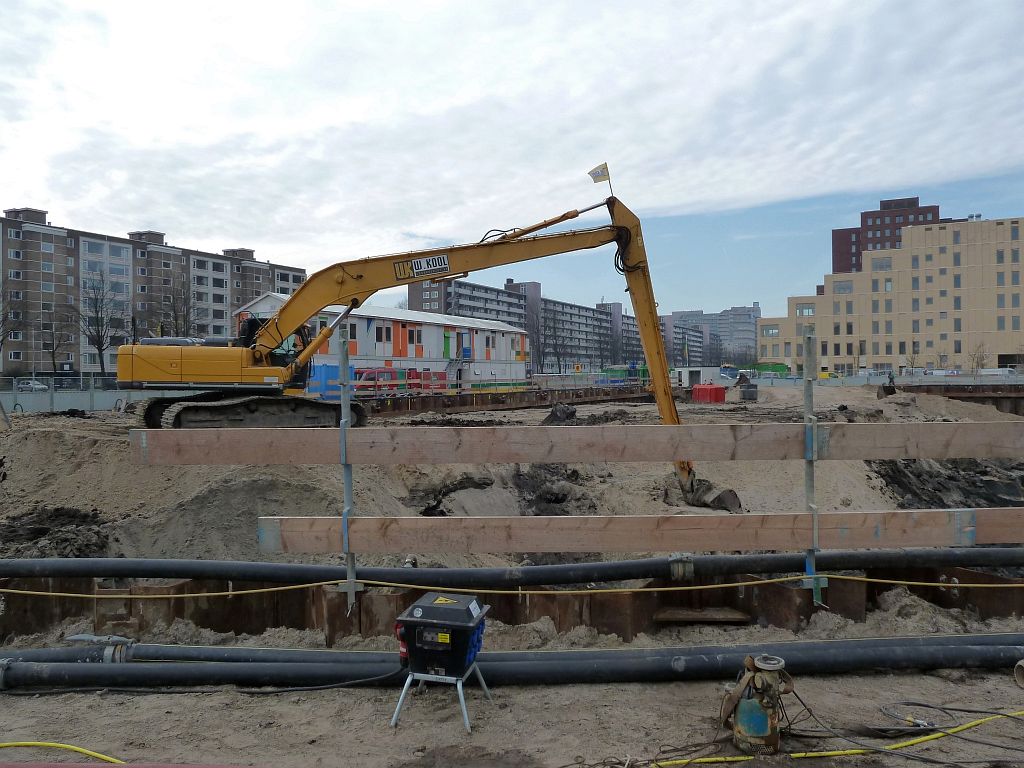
pixel 323 131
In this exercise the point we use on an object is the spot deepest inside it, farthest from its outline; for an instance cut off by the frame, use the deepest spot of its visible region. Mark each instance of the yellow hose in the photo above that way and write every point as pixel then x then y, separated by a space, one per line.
pixel 841 752
pixel 520 592
pixel 58 745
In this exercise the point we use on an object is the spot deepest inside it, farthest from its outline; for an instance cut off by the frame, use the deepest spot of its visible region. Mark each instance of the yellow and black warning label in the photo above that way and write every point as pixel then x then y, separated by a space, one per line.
pixel 444 637
pixel 442 600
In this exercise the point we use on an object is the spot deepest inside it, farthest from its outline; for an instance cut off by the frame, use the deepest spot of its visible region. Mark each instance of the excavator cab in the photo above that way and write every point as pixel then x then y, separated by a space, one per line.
pixel 285 354
pixel 289 351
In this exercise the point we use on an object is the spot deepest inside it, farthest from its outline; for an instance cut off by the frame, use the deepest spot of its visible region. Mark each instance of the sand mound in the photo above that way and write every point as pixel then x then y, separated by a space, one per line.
pixel 59 462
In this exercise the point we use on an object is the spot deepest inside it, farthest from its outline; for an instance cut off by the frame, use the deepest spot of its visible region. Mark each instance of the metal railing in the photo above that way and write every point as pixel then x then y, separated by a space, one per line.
pixel 54 394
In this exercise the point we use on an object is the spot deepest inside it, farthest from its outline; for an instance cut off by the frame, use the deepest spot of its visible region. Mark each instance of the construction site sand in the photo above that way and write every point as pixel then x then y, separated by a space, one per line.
pixel 524 727
pixel 212 511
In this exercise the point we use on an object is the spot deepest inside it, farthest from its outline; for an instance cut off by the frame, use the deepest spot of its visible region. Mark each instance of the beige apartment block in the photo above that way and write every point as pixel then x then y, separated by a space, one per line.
pixel 949 299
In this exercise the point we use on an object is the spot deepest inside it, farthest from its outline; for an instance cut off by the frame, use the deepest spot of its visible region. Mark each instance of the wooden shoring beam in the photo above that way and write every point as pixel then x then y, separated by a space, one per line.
pixel 607 443
pixel 655 533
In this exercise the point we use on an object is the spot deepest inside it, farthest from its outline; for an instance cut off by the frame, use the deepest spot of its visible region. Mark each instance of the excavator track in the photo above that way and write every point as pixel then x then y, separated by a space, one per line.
pixel 256 411
pixel 149 413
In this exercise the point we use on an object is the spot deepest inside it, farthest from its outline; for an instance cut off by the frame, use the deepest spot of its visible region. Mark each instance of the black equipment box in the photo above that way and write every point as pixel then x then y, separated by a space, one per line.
pixel 443 633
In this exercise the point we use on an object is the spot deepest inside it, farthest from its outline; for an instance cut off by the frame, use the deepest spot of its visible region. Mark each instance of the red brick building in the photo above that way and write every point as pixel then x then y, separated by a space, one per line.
pixel 878 229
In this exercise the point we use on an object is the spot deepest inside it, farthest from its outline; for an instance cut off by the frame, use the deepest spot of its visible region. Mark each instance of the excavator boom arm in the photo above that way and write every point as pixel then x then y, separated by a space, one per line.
pixel 351 283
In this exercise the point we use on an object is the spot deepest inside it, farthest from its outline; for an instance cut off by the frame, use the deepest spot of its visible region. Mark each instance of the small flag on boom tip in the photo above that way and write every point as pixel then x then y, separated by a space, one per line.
pixel 601 173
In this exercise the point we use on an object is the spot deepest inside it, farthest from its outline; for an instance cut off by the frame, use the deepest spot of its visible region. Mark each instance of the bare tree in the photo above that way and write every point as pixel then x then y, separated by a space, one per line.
pixel 58 332
pixel 554 340
pixel 103 315
pixel 941 359
pixel 615 353
pixel 403 303
pixel 12 319
pixel 178 313
pixel 912 357
pixel 979 357
pixel 536 336
pixel 603 346
pixel 632 350
pixel 680 351
pixel 744 358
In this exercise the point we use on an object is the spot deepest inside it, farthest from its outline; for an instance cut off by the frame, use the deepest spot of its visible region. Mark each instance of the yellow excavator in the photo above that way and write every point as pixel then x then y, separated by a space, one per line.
pixel 258 380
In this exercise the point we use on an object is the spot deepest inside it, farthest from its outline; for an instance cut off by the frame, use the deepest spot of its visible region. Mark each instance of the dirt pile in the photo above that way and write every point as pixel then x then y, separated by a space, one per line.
pixel 444 420
pixel 955 484
pixel 554 489
pixel 429 498
pixel 53 532
pixel 562 414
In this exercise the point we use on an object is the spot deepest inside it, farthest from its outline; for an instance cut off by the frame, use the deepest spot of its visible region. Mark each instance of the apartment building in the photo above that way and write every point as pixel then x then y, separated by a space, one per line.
pixel 948 298
pixel 562 335
pixel 880 229
pixel 735 329
pixel 684 344
pixel 466 299
pixel 125 287
pixel 625 333
pixel 711 347
pixel 574 335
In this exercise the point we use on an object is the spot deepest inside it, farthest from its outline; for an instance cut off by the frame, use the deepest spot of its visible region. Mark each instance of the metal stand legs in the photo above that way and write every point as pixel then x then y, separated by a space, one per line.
pixel 423 679
pixel 401 700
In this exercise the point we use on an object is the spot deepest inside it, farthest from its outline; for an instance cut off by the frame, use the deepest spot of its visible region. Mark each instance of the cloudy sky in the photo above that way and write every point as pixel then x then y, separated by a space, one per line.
pixel 741 132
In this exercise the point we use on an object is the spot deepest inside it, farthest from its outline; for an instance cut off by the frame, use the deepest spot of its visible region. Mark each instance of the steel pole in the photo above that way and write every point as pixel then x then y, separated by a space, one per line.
pixel 810 455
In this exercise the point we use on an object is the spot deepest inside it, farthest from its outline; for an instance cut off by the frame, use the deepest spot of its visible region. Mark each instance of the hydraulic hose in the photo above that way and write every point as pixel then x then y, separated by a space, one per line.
pixel 237 654
pixel 629 668
pixel 698 566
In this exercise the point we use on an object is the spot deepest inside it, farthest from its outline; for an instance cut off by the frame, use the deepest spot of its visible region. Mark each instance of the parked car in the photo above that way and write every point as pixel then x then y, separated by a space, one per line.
pixel 68 383
pixel 30 385
pixel 828 375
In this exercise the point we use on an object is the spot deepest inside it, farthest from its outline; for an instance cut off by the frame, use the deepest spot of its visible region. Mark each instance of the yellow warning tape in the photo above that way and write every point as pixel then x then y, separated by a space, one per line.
pixel 482 591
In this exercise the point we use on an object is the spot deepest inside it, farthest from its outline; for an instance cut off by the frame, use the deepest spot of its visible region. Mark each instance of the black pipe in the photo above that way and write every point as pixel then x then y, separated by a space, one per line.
pixel 633 669
pixel 726 665
pixel 74 654
pixel 145 652
pixel 299 573
pixel 703 566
